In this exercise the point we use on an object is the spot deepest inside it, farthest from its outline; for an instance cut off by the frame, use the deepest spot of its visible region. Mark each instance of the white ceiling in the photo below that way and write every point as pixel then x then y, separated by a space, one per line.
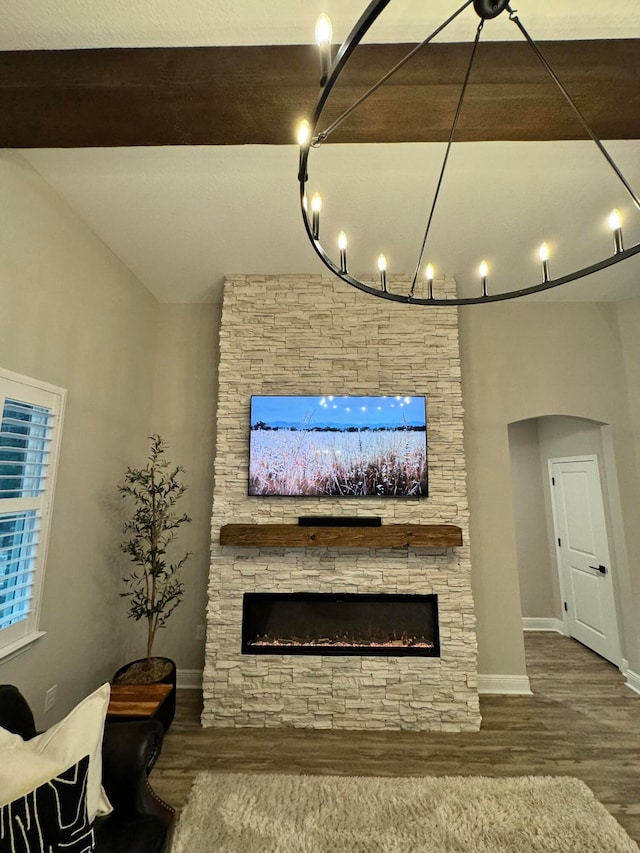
pixel 59 24
pixel 183 217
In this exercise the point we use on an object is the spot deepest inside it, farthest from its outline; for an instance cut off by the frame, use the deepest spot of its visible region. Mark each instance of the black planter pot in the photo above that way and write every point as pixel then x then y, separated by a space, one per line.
pixel 167 710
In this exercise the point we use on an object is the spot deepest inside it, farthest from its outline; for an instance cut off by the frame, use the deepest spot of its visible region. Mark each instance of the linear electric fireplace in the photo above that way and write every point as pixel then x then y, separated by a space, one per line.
pixel 307 623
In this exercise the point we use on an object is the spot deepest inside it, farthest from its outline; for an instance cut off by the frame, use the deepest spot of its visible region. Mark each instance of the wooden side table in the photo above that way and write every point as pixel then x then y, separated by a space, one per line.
pixel 136 701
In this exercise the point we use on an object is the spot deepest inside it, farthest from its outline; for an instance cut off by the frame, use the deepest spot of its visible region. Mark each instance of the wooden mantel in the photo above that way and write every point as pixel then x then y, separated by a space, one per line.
pixel 385 536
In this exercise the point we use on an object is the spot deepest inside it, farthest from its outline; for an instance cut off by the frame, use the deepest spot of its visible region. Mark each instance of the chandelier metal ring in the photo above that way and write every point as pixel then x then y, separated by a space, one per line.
pixel 314 138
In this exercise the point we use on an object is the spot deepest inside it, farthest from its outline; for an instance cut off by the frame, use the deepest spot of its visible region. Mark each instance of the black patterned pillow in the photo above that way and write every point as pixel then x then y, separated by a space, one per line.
pixel 52 818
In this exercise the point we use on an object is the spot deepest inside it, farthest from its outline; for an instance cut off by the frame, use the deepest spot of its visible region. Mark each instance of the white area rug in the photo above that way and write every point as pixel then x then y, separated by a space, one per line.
pixel 271 813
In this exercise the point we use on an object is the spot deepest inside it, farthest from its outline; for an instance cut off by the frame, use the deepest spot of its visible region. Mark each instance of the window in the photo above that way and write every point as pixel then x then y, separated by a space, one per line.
pixel 30 423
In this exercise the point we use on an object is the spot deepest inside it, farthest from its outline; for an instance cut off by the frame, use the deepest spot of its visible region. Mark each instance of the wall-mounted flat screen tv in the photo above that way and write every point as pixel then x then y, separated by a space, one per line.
pixel 334 446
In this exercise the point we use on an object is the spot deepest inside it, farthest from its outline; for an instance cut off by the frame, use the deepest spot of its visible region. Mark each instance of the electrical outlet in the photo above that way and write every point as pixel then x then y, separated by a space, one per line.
pixel 200 632
pixel 50 698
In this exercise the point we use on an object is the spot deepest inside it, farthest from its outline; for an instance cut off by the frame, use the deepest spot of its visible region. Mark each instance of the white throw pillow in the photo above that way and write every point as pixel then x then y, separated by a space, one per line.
pixel 20 773
pixel 26 764
pixel 51 817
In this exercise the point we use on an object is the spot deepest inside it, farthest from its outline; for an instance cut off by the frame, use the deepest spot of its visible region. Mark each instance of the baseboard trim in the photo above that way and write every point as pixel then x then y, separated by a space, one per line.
pixel 633 679
pixel 532 623
pixel 189 679
pixel 511 685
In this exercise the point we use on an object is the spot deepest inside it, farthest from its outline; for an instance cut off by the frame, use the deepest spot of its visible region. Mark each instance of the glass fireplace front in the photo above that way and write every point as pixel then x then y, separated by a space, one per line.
pixel 307 623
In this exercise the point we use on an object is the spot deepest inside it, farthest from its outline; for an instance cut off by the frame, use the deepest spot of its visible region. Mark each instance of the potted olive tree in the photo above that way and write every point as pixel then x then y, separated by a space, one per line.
pixel 154 585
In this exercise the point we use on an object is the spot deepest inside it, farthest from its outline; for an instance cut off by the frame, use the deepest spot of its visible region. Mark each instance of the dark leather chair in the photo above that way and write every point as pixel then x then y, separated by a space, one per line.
pixel 140 822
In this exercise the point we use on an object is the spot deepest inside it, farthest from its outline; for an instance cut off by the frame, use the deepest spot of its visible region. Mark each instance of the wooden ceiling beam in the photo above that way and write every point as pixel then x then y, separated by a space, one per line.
pixel 256 95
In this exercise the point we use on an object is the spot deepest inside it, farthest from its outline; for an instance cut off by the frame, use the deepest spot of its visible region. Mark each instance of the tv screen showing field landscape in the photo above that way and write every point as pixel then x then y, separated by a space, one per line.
pixel 338 446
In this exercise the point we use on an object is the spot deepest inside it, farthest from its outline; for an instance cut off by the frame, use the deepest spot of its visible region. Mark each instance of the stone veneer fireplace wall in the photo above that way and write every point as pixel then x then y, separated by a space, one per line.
pixel 314 335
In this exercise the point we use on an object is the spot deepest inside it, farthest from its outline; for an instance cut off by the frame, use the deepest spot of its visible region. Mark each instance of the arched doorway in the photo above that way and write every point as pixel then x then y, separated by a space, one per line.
pixel 545 591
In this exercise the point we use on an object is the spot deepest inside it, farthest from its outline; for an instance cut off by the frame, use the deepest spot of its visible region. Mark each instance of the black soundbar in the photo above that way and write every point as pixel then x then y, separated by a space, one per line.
pixel 339 521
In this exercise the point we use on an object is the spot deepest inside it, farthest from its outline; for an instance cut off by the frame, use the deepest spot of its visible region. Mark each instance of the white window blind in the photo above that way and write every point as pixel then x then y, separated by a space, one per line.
pixel 30 422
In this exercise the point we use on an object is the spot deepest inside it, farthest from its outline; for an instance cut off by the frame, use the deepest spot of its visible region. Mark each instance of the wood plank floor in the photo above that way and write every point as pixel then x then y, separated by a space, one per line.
pixel 581 721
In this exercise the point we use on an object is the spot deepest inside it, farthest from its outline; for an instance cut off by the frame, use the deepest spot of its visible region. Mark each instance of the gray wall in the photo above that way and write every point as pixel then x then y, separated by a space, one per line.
pixel 626 515
pixel 529 360
pixel 535 569
pixel 74 316
pixel 184 414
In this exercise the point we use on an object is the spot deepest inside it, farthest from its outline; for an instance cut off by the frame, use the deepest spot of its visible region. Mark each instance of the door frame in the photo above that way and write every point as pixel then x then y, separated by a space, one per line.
pixel 583 457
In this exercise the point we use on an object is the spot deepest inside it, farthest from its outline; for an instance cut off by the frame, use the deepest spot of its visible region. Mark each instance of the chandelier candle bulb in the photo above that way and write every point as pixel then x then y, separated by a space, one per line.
pixel 430 274
pixel 382 266
pixel 483 269
pixel 316 207
pixel 303 133
pixel 615 223
pixel 303 137
pixel 324 35
pixel 544 260
pixel 342 245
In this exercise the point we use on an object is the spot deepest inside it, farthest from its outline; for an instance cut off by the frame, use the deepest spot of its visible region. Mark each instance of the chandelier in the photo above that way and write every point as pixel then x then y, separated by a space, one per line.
pixel 311 135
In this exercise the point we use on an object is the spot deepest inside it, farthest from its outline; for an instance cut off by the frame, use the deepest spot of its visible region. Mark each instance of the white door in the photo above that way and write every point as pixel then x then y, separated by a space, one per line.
pixel 583 555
